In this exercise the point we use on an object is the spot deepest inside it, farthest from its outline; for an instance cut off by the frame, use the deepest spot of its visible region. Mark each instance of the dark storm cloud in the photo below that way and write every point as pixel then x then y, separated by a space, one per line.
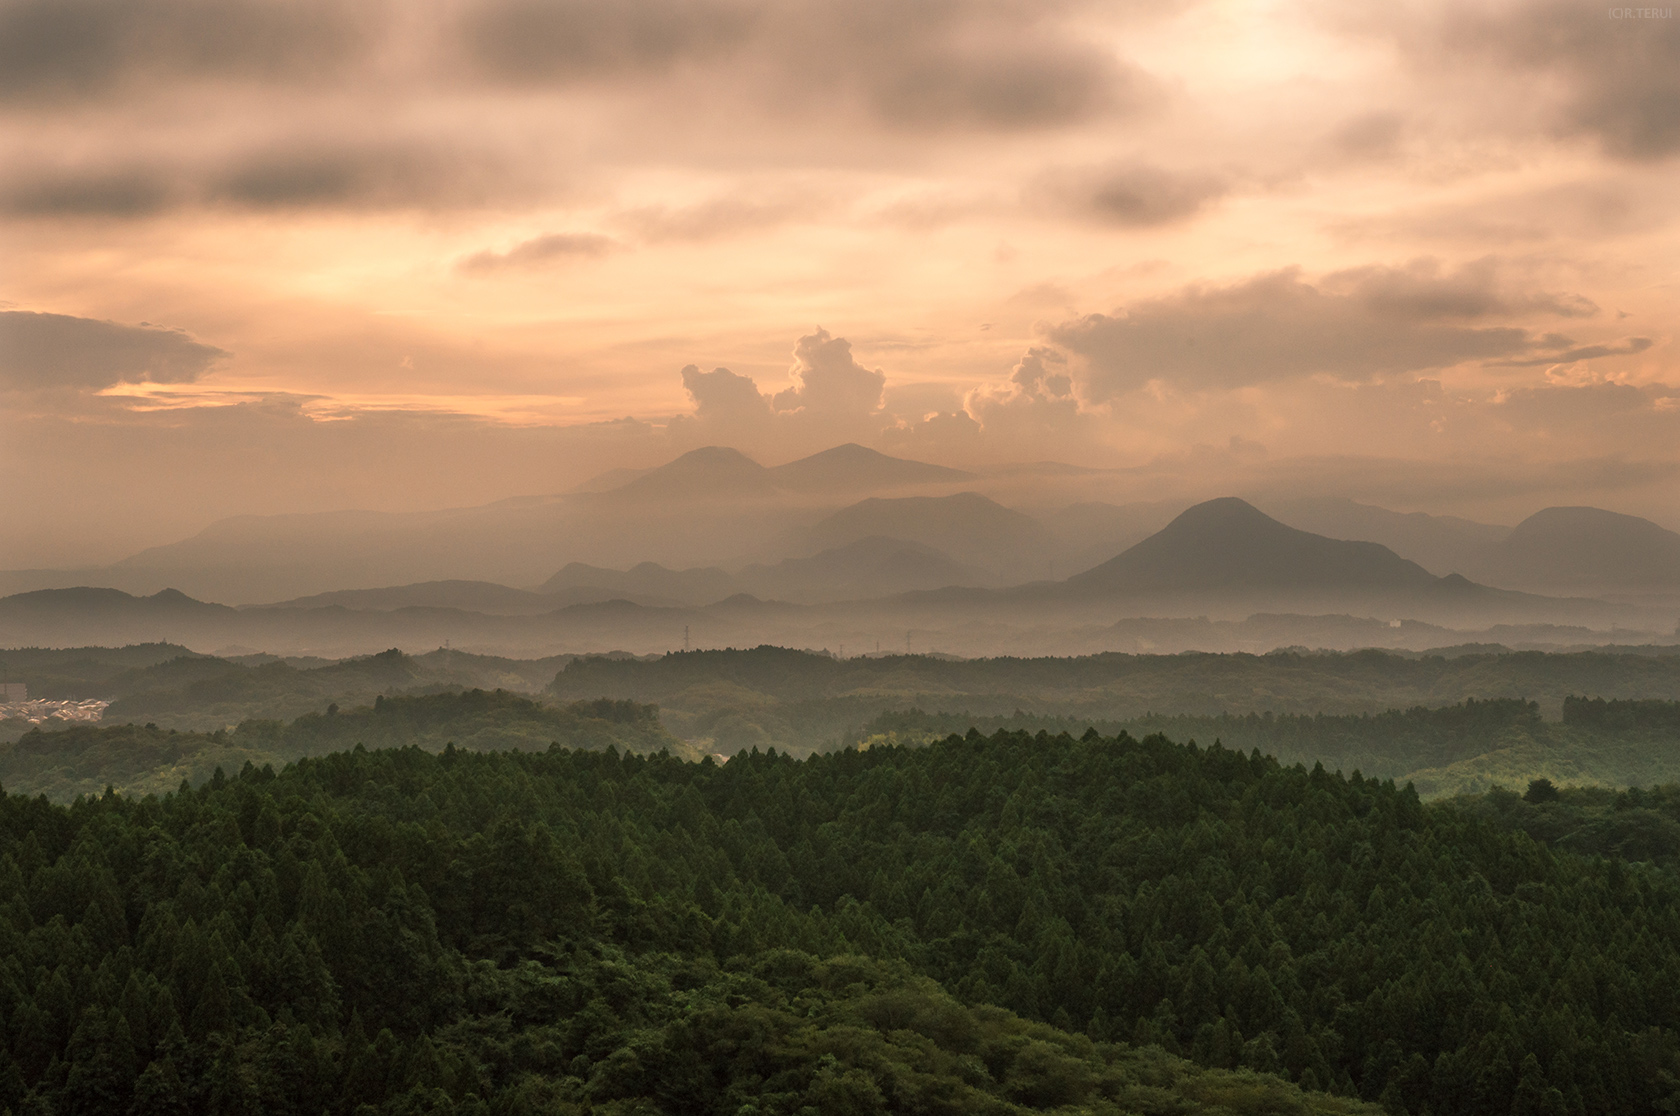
pixel 1133 195
pixel 1620 70
pixel 56 49
pixel 539 251
pixel 930 64
pixel 1355 325
pixel 57 350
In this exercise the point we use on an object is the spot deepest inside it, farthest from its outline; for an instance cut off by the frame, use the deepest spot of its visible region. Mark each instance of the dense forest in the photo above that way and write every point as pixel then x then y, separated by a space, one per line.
pixel 142 759
pixel 982 924
pixel 801 702
pixel 173 687
pixel 1468 748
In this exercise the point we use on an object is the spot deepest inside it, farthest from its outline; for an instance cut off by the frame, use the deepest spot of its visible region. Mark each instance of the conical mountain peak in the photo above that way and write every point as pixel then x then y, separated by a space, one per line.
pixel 1228 543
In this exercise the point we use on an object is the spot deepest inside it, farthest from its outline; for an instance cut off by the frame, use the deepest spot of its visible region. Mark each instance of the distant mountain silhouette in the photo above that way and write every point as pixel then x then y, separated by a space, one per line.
pixel 966 526
pixel 855 468
pixel 869 567
pixel 1229 544
pixel 1584 549
pixel 109 602
pixel 474 596
pixel 1442 544
pixel 709 473
pixel 721 473
pixel 646 581
pixel 1092 531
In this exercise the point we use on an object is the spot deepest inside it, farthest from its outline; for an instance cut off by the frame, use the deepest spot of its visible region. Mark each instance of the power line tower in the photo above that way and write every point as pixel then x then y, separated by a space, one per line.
pixel 685 637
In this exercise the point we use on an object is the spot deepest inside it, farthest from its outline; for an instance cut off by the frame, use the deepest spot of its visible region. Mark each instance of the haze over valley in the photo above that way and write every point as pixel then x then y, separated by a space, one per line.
pixel 839 558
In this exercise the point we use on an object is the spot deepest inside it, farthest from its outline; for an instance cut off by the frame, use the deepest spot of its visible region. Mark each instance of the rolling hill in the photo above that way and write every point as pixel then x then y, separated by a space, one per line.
pixel 1583 550
pixel 870 567
pixel 1441 544
pixel 965 525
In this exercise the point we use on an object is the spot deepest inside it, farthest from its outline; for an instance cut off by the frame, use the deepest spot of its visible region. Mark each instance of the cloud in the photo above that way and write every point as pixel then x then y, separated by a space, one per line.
pixel 356 175
pixel 1355 325
pixel 115 192
pixel 1133 195
pixel 718 216
pixel 1036 408
pixel 1612 74
pixel 947 64
pixel 289 174
pixel 1423 291
pixel 51 50
pixel 1368 136
pixel 57 350
pixel 722 394
pixel 828 380
pixel 538 251
pixel 564 41
pixel 1630 347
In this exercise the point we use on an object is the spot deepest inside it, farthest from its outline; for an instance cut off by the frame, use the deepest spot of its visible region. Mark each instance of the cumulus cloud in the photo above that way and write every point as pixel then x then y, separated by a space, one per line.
pixel 57 350
pixel 51 50
pixel 721 393
pixel 828 380
pixel 1355 325
pixel 1133 195
pixel 1037 408
pixel 539 251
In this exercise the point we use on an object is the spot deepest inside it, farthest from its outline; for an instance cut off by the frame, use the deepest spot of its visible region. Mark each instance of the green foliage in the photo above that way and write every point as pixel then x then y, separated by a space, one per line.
pixel 800 702
pixel 1635 824
pixel 1464 749
pixel 540 931
pixel 86 759
pixel 555 932
pixel 176 688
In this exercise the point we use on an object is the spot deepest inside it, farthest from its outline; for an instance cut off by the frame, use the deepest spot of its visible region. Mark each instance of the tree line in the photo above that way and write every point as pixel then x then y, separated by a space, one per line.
pixel 989 923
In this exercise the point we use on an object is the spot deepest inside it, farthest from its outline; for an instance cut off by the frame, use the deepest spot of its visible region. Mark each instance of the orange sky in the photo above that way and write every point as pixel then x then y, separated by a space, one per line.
pixel 274 256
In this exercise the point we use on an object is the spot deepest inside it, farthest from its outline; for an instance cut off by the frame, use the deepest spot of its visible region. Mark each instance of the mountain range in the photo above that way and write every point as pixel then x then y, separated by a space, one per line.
pixel 909 544
pixel 1224 561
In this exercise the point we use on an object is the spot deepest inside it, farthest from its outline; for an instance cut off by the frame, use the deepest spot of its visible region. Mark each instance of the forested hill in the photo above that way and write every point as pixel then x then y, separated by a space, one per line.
pixel 1468 748
pixel 521 932
pixel 1116 685
pixel 141 759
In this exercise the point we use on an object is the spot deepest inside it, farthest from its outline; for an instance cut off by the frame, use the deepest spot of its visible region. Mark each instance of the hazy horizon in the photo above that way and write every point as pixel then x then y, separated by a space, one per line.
pixel 320 256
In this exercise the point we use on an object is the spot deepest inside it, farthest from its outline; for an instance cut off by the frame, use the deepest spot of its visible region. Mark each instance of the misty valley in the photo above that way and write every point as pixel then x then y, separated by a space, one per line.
pixel 902 800
pixel 785 881
pixel 839 558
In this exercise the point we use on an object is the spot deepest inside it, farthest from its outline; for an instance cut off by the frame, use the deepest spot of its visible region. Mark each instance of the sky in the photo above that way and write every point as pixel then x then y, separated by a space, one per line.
pixel 270 256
